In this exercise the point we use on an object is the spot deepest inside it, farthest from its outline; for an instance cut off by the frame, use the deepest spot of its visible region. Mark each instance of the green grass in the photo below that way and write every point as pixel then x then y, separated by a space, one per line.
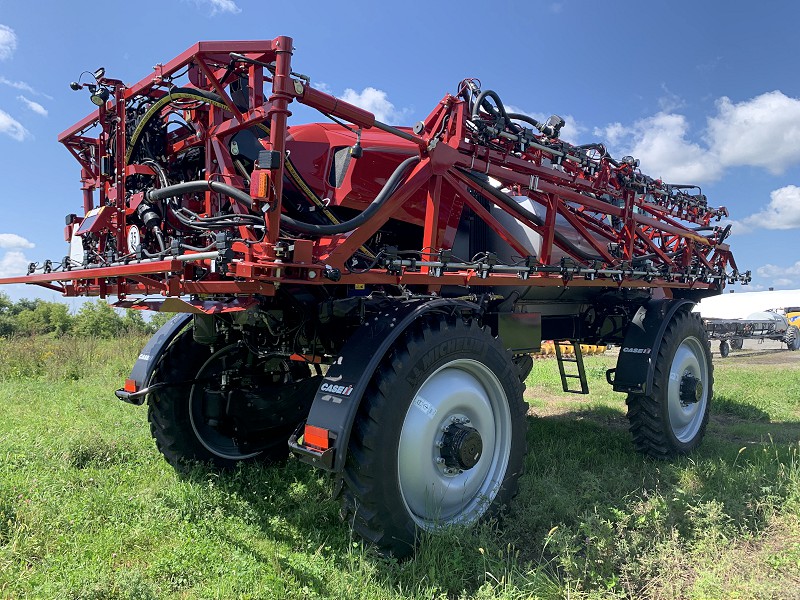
pixel 88 509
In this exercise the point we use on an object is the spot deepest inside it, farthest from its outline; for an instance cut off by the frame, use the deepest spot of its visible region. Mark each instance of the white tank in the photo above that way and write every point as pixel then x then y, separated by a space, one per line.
pixel 530 238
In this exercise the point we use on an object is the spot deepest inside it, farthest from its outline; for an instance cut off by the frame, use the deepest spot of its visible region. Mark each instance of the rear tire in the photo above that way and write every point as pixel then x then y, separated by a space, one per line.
pixel 672 419
pixel 178 414
pixel 737 343
pixel 792 338
pixel 439 438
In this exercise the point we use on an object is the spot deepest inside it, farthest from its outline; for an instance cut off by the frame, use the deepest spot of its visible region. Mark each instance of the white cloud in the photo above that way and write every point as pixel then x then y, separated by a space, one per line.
pixel 23 87
pixel 571 131
pixel 8 42
pixel 660 143
pixel 763 132
pixel 13 263
pixel 34 106
pixel 375 101
pixel 219 6
pixel 670 101
pixel 781 276
pixel 12 240
pixel 783 282
pixel 781 212
pixel 11 127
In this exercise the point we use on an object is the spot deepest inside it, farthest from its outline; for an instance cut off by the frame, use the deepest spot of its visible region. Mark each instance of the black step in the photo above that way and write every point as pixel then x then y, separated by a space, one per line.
pixel 578 360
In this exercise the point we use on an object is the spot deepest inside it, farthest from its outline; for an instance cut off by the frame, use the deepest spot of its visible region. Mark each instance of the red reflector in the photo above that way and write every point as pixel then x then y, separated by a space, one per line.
pixel 130 385
pixel 316 437
pixel 306 358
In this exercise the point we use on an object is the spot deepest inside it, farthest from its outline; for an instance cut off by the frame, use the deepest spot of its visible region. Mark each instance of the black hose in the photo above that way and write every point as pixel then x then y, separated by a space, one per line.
pixel 159 239
pixel 481 101
pixel 189 187
pixel 359 220
pixel 529 120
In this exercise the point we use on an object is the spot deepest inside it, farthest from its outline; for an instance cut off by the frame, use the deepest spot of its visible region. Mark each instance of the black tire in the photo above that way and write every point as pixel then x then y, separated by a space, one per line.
pixel 181 434
pixel 669 421
pixel 792 338
pixel 737 343
pixel 724 348
pixel 391 472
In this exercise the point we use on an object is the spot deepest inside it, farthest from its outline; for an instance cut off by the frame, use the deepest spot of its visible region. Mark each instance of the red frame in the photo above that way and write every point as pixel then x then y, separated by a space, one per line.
pixel 435 193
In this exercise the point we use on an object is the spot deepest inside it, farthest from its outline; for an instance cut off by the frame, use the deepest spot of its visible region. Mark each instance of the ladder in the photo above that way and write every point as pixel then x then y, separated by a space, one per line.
pixel 578 360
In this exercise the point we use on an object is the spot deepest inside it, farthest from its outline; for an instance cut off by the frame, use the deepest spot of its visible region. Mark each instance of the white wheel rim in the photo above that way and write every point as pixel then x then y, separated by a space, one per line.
pixel 463 389
pixel 686 419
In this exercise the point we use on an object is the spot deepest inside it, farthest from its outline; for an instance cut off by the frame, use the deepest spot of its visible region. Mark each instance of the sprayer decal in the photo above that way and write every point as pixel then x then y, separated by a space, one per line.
pixel 344 390
pixel 638 350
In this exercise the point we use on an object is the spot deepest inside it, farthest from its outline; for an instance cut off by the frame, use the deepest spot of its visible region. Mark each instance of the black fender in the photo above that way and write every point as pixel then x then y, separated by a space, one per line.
pixel 135 391
pixel 336 403
pixel 637 355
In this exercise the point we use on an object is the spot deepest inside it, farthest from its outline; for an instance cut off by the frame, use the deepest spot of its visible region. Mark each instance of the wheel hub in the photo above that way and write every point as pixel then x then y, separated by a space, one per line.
pixel 691 390
pixel 462 446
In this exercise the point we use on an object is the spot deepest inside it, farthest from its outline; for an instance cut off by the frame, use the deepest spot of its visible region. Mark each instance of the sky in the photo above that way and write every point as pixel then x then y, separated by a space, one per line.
pixel 706 93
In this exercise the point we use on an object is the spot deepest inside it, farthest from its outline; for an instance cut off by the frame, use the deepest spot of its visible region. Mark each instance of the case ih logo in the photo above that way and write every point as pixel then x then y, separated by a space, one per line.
pixel 344 390
pixel 637 350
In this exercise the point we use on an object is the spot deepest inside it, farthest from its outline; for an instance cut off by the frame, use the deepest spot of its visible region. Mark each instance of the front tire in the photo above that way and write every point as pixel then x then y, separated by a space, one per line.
pixel 439 438
pixel 672 419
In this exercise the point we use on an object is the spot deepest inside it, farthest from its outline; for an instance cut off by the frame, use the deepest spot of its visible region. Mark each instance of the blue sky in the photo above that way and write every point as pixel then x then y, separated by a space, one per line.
pixel 700 92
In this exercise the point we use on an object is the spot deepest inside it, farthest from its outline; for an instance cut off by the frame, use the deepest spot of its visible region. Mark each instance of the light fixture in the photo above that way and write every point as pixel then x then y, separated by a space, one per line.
pixel 100 96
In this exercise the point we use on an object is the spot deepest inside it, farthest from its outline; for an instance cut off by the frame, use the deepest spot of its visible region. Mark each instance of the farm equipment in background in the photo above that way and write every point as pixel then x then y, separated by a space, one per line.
pixel 782 325
pixel 368 296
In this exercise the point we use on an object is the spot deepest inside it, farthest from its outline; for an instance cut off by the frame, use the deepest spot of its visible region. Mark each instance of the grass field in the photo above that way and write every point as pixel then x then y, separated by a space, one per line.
pixel 88 509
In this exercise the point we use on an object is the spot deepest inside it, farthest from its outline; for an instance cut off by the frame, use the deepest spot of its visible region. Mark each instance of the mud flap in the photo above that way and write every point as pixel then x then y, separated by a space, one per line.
pixel 637 356
pixel 134 391
pixel 322 440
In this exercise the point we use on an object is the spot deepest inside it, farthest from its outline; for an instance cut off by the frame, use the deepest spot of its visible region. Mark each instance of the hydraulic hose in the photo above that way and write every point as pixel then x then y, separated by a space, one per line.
pixel 362 218
pixel 481 101
pixel 189 187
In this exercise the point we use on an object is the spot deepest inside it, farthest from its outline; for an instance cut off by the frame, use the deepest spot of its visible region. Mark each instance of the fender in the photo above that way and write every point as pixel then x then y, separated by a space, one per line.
pixel 134 390
pixel 339 395
pixel 637 355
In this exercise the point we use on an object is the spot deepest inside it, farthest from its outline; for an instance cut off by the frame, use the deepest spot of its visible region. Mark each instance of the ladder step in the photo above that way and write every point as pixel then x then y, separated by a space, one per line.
pixel 578 360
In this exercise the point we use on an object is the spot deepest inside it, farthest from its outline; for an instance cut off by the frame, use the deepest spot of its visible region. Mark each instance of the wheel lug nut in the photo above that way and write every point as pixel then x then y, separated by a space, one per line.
pixel 440 461
pixel 440 444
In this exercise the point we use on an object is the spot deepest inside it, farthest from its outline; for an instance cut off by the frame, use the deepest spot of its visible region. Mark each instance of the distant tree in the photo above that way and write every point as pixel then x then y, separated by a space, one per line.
pixel 24 304
pixel 158 319
pixel 5 303
pixel 133 323
pixel 97 319
pixel 46 318
pixel 7 326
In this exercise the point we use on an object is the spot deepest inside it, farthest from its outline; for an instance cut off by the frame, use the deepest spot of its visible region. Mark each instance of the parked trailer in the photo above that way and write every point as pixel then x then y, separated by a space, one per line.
pixel 767 325
pixel 369 295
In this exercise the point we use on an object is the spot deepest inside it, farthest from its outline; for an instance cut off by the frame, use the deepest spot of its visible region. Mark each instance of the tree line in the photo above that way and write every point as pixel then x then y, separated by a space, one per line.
pixel 94 319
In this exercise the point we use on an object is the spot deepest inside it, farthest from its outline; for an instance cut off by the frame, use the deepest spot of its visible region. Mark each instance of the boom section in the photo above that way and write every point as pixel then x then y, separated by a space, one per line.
pixel 194 184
